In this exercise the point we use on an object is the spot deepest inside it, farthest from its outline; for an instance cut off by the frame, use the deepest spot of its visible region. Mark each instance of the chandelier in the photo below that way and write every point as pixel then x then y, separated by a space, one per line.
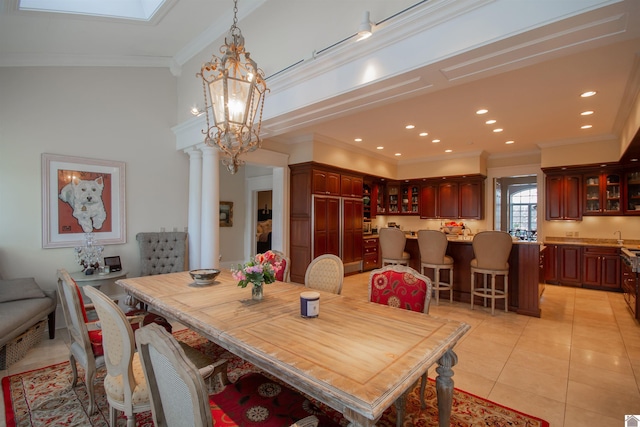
pixel 234 90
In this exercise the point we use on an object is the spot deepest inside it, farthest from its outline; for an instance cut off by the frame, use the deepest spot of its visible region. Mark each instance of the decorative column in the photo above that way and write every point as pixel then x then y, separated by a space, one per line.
pixel 210 219
pixel 195 207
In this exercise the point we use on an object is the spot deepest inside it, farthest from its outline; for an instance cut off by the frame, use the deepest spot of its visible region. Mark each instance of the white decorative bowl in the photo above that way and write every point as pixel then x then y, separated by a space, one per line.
pixel 204 276
pixel 452 229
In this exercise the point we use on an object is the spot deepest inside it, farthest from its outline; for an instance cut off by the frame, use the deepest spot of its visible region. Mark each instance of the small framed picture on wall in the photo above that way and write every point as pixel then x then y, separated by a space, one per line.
pixel 226 214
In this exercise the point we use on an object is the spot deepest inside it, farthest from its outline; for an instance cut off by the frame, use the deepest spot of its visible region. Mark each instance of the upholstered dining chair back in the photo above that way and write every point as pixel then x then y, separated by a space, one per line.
pixel 178 393
pixel 162 252
pixel 491 250
pixel 85 347
pixel 283 274
pixel 325 273
pixel 177 390
pixel 392 243
pixel 124 384
pixel 400 286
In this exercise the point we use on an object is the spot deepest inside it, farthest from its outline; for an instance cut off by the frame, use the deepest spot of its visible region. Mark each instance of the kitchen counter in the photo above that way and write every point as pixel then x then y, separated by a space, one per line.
pixel 613 243
pixel 524 273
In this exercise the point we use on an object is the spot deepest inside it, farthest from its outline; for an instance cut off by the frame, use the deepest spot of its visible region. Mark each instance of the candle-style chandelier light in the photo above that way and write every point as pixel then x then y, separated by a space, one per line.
pixel 234 90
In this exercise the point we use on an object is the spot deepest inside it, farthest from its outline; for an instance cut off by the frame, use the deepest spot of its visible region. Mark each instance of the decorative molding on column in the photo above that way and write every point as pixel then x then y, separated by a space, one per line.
pixel 210 216
pixel 195 207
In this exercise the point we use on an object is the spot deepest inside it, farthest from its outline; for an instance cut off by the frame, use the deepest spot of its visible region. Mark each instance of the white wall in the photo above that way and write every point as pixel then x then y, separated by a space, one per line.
pixel 122 114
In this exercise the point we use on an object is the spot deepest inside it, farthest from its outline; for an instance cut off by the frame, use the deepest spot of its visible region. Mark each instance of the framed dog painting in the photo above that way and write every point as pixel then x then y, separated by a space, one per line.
pixel 82 196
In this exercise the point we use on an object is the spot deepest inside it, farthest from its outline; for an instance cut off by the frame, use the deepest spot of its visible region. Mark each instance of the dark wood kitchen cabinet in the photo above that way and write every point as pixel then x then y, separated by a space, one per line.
pixel 453 198
pixel 352 218
pixel 371 253
pixel 322 221
pixel 326 226
pixel 448 200
pixel 631 192
pixel 570 265
pixel 551 264
pixel 326 182
pixel 601 267
pixel 351 186
pixel 602 193
pixel 563 196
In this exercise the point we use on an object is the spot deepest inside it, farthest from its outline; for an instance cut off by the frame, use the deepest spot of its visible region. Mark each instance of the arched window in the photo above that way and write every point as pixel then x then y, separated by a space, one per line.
pixel 523 208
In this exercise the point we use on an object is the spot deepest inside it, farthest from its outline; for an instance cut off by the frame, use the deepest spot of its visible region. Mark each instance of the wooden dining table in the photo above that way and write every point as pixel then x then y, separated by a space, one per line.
pixel 357 357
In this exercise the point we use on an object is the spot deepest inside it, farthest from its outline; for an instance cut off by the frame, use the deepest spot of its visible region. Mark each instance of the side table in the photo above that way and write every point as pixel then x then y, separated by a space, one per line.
pixel 96 280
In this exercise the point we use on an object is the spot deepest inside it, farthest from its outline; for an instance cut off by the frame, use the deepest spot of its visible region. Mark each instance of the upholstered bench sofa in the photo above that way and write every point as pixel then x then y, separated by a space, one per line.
pixel 23 308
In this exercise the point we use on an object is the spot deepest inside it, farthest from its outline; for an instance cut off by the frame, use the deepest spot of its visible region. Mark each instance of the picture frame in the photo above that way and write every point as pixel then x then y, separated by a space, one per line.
pixel 226 214
pixel 80 196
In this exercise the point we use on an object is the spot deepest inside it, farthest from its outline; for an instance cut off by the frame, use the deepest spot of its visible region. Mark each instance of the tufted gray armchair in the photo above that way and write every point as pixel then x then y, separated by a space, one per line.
pixel 162 252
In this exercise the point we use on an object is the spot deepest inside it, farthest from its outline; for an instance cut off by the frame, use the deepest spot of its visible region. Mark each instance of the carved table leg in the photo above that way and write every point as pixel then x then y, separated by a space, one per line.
pixel 444 386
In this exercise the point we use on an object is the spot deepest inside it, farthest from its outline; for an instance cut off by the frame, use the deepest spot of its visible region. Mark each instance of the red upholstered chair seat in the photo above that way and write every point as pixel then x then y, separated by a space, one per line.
pixel 400 289
pixel 255 400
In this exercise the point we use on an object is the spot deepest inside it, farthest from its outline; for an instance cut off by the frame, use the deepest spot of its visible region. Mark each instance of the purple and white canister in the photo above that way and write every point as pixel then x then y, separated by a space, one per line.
pixel 309 304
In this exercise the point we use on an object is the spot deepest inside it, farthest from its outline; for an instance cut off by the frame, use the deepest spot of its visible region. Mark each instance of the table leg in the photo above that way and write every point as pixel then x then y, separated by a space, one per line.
pixel 444 386
pixel 357 420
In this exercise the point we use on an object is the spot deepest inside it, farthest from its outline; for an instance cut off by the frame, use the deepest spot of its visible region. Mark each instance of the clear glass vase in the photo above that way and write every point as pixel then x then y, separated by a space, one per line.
pixel 256 292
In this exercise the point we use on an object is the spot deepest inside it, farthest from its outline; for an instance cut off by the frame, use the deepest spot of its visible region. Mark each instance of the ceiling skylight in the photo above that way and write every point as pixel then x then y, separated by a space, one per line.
pixel 140 10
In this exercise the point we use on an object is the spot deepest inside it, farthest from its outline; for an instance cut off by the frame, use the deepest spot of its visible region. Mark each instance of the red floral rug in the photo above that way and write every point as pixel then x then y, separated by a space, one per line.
pixel 44 397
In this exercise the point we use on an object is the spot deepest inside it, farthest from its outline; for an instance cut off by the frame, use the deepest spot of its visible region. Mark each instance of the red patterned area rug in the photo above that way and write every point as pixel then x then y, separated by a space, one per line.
pixel 44 397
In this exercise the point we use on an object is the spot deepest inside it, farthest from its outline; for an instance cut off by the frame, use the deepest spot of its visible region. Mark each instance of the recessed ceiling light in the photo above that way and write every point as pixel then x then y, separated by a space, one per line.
pixel 586 113
pixel 586 127
pixel 588 93
pixel 498 130
pixel 509 142
pixel 634 160
pixel 398 154
pixel 423 134
pixel 490 122
pixel 379 147
pixel 409 127
pixel 482 111
pixel 358 140
pixel 448 151
pixel 435 141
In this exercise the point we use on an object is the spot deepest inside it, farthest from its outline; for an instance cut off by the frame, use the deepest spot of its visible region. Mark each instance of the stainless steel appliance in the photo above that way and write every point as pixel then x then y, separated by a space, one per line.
pixel 630 279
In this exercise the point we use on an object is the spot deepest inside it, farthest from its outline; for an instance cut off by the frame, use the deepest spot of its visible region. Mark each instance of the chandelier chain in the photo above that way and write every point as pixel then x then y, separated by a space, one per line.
pixel 235 14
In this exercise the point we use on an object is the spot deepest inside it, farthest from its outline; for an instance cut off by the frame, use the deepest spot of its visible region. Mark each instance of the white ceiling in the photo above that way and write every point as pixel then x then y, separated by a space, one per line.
pixel 536 104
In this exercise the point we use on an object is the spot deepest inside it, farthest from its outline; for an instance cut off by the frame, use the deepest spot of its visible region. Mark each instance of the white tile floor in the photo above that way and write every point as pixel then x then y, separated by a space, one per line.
pixel 577 365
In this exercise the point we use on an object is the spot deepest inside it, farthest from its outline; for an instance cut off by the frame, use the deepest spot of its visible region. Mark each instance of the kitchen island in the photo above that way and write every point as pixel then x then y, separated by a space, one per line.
pixel 525 287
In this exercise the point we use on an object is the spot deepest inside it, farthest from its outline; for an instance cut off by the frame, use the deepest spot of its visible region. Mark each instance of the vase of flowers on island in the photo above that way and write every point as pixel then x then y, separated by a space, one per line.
pixel 258 271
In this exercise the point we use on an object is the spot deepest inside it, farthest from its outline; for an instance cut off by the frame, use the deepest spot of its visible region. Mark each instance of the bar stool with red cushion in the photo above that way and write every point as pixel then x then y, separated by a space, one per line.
pixel 402 287
pixel 179 396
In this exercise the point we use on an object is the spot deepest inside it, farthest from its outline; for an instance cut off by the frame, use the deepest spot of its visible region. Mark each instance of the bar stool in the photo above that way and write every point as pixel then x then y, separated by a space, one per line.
pixel 433 246
pixel 392 243
pixel 491 250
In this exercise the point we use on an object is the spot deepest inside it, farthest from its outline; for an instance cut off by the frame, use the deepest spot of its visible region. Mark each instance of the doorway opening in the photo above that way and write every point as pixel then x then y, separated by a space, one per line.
pixel 516 206
pixel 265 221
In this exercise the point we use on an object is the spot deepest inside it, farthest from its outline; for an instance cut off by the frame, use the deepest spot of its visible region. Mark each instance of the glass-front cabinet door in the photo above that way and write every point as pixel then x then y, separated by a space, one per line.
pixel 603 194
pixel 632 196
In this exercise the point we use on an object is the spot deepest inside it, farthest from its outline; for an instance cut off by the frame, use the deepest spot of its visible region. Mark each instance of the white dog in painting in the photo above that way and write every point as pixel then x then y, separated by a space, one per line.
pixel 85 198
